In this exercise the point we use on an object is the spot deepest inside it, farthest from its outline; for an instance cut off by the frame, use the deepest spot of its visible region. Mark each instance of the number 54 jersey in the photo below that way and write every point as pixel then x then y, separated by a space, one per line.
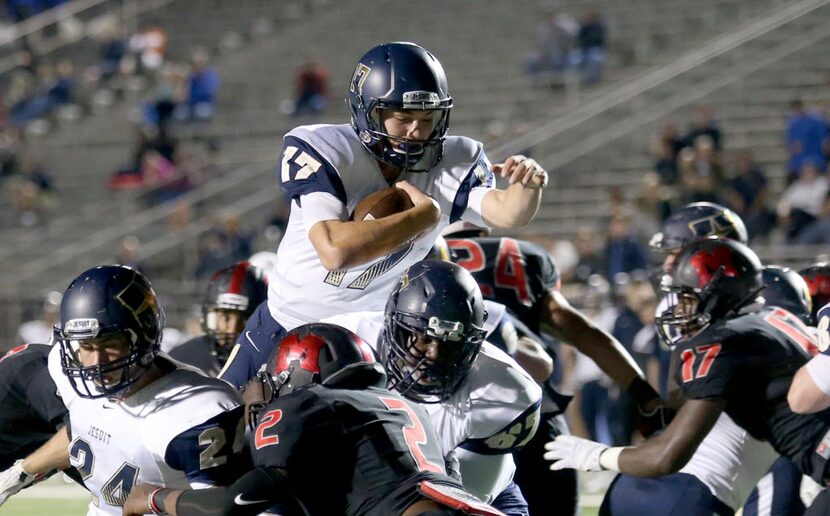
pixel 326 172
pixel 183 430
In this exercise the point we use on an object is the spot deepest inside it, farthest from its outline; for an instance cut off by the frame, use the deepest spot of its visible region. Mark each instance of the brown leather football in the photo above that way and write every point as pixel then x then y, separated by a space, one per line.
pixel 382 204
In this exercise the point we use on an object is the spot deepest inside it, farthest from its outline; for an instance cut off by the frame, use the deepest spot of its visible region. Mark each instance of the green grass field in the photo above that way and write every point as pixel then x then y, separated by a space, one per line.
pixel 17 506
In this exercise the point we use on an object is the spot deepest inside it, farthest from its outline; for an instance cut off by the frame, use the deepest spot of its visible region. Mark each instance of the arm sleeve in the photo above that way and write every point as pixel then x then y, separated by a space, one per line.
pixel 819 369
pixel 475 185
pixel 210 453
pixel 255 492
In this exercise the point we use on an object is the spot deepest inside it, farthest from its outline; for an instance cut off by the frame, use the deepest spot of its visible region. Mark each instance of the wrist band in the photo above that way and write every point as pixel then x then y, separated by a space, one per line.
pixel 609 458
pixel 641 391
pixel 151 502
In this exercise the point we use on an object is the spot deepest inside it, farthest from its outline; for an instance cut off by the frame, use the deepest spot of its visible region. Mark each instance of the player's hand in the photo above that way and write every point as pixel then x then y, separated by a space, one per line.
pixel 137 503
pixel 416 195
pixel 569 451
pixel 13 480
pixel 522 170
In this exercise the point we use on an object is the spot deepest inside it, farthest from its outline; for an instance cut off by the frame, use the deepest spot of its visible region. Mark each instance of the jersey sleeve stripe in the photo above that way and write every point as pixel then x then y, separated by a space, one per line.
pixel 478 175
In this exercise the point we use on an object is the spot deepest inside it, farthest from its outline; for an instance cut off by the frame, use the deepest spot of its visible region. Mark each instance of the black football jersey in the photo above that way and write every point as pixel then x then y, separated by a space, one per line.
pixel 350 451
pixel 30 408
pixel 750 362
pixel 199 353
pixel 515 273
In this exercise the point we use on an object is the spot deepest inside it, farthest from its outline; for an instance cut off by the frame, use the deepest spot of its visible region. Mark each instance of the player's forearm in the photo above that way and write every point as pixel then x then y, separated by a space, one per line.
pixel 511 208
pixel 652 458
pixel 804 396
pixel 54 454
pixel 344 244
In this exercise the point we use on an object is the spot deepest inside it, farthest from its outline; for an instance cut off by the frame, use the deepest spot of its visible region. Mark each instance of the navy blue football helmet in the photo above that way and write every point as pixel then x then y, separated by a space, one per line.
pixel 696 221
pixel 109 301
pixel 400 76
pixel 711 280
pixel 433 330
pixel 785 288
pixel 238 288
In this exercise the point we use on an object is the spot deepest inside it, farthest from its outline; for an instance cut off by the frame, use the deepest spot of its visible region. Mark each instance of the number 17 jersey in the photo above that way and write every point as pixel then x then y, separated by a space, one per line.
pixel 326 172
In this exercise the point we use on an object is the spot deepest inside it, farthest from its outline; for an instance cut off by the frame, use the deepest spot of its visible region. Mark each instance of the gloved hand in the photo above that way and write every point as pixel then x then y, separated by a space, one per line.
pixel 574 452
pixel 13 480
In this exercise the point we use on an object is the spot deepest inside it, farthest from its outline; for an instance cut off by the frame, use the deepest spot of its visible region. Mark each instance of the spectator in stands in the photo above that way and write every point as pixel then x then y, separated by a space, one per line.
pixel 801 203
pixel 590 51
pixel 9 151
pixel 19 10
pixel 111 51
pixel 556 37
pixel 807 139
pixel 129 253
pixel 54 90
pixel 700 176
pixel 39 331
pixel 21 83
pixel 747 194
pixel 818 231
pixel 590 260
pixel 32 191
pixel 312 82
pixel 149 46
pixel 202 86
pixel 704 124
pixel 167 96
pixel 623 253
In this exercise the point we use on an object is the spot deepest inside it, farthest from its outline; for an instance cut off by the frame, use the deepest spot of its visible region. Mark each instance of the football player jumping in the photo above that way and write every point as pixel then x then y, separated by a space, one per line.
pixel 328 264
pixel 331 437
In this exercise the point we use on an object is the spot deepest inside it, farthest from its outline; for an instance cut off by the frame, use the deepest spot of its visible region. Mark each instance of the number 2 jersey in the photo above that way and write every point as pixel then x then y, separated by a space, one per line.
pixel 183 430
pixel 350 451
pixel 750 362
pixel 515 273
pixel 326 172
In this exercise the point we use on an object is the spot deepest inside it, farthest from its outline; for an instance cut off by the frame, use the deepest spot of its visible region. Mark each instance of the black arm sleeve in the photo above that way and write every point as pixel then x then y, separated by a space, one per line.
pixel 255 492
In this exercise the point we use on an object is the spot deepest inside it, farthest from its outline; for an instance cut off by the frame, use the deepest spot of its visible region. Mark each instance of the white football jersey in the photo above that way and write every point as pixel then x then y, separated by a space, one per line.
pixel 494 411
pixel 183 430
pixel 730 462
pixel 326 172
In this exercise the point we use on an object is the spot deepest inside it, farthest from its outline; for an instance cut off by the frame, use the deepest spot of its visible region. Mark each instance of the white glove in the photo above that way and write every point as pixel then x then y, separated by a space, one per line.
pixel 13 480
pixel 574 452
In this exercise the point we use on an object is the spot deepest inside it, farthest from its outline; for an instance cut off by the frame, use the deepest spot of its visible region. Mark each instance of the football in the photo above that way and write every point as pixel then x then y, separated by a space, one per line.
pixel 382 204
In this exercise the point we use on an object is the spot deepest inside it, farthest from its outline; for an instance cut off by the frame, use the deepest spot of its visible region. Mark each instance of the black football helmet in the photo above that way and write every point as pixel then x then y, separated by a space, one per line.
pixel 434 302
pixel 239 288
pixel 110 300
pixel 785 288
pixel 817 277
pixel 696 221
pixel 711 280
pixel 399 76
pixel 326 354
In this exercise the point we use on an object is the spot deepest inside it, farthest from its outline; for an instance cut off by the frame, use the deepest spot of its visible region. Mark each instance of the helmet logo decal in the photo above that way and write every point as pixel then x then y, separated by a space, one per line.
pixel 137 298
pixel 708 263
pixel 359 77
pixel 305 350
pixel 714 225
pixel 818 284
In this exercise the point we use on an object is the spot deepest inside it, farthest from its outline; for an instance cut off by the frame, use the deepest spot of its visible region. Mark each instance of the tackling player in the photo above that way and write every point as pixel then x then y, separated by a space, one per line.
pixel 328 264
pixel 733 356
pixel 523 276
pixel 328 422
